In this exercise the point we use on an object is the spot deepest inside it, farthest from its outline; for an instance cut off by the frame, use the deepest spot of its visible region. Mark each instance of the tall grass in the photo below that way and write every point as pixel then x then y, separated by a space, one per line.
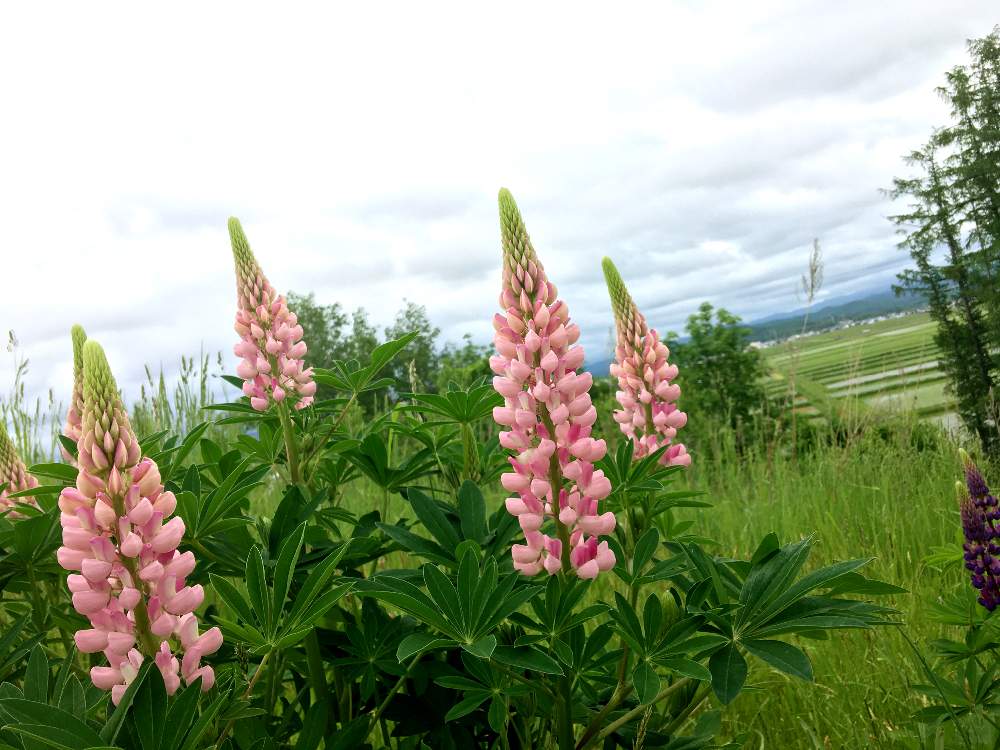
pixel 887 495
pixel 199 384
pixel 34 426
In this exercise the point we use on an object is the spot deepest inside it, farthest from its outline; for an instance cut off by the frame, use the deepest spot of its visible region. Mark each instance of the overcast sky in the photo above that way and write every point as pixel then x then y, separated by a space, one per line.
pixel 701 145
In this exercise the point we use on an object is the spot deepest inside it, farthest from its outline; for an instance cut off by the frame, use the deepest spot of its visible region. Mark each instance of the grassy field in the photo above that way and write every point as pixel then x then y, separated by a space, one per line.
pixel 890 365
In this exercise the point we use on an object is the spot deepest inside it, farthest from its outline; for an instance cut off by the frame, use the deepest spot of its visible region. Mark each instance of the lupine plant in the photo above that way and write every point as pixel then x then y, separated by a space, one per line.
pixel 474 568
pixel 963 688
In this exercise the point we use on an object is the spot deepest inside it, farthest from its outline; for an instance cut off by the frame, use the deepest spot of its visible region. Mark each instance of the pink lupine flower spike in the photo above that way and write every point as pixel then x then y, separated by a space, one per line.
pixel 14 477
pixel 74 416
pixel 548 416
pixel 649 414
pixel 271 345
pixel 119 538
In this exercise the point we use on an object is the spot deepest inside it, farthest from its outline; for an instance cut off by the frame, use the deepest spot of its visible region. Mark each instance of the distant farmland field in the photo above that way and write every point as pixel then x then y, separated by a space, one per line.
pixel 890 364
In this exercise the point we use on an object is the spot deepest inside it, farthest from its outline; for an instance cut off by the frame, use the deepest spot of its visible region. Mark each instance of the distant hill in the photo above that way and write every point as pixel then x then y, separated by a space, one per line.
pixel 824 315
pixel 830 314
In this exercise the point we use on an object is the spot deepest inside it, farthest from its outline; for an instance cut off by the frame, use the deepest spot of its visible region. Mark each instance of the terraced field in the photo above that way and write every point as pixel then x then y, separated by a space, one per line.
pixel 889 364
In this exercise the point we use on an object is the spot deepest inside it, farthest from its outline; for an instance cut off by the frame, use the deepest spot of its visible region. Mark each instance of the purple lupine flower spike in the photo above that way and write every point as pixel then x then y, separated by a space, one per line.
pixel 981 526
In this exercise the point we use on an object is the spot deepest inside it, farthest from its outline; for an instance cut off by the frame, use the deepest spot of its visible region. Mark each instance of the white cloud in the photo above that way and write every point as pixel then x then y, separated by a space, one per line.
pixel 702 145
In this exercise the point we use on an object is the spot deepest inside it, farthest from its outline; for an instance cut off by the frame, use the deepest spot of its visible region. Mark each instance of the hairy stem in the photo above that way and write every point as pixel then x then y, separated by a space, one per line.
pixel 247 693
pixel 291 446
pixel 638 710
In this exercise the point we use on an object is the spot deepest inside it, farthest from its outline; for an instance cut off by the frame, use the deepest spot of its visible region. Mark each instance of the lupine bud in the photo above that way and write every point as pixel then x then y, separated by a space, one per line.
pixel 14 477
pixel 131 585
pixel 981 526
pixel 547 408
pixel 74 416
pixel 270 343
pixel 648 415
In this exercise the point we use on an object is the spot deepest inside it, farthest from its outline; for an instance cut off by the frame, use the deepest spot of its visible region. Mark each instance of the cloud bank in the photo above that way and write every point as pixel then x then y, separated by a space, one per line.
pixel 702 145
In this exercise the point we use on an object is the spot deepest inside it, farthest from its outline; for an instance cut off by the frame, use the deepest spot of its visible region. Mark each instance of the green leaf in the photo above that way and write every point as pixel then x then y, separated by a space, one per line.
pixel 646 682
pixel 411 600
pixel 232 597
pixel 417 643
pixel 467 705
pixel 855 583
pixel 204 721
pixel 770 578
pixel 472 511
pixel 444 594
pixel 63 472
pixel 652 617
pixel 182 709
pixel 68 445
pixel 316 582
pixel 109 732
pixel 320 605
pixel 814 580
pixel 497 715
pixel 149 711
pixel 686 667
pixel 768 546
pixel 313 727
pixel 418 545
pixel 73 699
pixel 468 580
pixel 433 519
pixel 288 557
pixel 527 657
pixel 36 676
pixel 729 672
pixel 383 354
pixel 50 724
pixel 645 548
pixel 782 656
pixel 483 648
pixel 50 736
pixel 257 588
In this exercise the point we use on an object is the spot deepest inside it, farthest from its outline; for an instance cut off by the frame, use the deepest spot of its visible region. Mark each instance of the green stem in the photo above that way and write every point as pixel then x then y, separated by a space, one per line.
pixel 565 726
pixel 698 699
pixel 249 692
pixel 392 693
pixel 534 684
pixel 937 684
pixel 637 711
pixel 333 427
pixel 291 446
pixel 317 673
pixel 470 455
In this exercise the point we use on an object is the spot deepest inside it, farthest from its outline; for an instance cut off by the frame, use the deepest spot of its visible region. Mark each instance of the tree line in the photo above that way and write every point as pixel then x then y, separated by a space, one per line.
pixel 951 228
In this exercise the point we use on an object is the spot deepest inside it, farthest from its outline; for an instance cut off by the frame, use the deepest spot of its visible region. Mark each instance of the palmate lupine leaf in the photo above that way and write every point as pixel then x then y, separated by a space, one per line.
pixel 459 407
pixel 353 378
pixel 269 616
pixel 746 605
pixel 465 610
pixel 453 527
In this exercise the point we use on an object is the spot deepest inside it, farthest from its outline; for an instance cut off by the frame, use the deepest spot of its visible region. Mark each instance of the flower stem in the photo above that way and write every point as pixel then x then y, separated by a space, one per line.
pixel 377 715
pixel 317 672
pixel 639 710
pixel 247 694
pixel 291 447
